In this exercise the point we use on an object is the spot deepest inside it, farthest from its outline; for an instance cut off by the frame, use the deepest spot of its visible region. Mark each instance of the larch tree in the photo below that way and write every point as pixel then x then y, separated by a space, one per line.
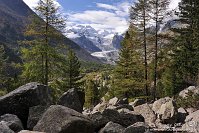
pixel 40 57
pixel 186 52
pixel 128 74
pixel 71 72
pixel 159 9
pixel 139 17
pixel 2 66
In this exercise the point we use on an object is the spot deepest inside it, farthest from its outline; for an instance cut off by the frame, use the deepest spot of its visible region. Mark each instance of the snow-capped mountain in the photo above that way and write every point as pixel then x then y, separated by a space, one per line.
pixel 103 44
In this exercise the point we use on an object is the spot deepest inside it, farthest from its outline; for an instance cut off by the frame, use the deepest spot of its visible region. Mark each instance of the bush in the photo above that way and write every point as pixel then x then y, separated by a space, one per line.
pixel 191 101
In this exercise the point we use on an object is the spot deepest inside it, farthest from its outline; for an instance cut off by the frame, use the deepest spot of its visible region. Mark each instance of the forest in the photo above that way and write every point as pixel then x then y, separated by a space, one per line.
pixel 153 62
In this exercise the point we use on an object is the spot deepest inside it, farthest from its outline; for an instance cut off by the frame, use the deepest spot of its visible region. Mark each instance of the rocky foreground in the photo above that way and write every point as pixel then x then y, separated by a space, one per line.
pixel 29 109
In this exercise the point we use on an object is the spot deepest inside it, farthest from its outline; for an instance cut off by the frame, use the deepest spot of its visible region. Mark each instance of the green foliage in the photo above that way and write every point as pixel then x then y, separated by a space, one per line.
pixel 70 72
pixel 191 101
pixel 128 75
pixel 2 65
pixel 41 57
pixel 186 44
pixel 91 93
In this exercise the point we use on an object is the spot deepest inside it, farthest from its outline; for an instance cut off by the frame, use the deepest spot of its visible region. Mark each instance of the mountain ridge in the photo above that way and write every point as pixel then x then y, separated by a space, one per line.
pixel 13 21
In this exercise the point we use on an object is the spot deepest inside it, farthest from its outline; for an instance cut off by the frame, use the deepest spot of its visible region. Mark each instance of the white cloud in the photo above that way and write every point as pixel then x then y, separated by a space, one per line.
pixel 31 3
pixel 106 6
pixel 108 17
pixel 174 4
pixel 114 17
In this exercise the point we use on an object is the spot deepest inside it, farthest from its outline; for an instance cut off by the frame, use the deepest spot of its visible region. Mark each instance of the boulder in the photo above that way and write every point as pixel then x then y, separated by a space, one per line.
pixel 191 122
pixel 124 110
pixel 157 104
pixel 12 121
pixel 127 119
pixel 112 115
pixel 73 99
pixel 27 131
pixel 124 106
pixel 168 113
pixel 190 110
pixel 116 101
pixel 20 100
pixel 148 114
pixel 112 128
pixel 137 102
pixel 139 127
pixel 4 128
pixel 123 101
pixel 60 119
pixel 123 118
pixel 192 89
pixel 100 107
pixel 35 114
pixel 99 120
pixel 182 113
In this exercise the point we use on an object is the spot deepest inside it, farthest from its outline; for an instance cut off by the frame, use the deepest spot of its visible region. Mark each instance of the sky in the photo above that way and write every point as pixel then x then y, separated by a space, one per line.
pixel 99 14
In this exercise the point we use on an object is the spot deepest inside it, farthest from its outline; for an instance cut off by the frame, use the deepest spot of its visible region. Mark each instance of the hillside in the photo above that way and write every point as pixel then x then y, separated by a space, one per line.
pixel 14 18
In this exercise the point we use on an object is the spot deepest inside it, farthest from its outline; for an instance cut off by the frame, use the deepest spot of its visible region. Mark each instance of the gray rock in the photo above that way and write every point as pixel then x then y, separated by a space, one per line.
pixel 168 113
pixel 182 113
pixel 127 119
pixel 12 121
pixel 35 114
pixel 190 110
pixel 124 110
pixel 193 89
pixel 138 127
pixel 20 100
pixel 113 101
pixel 26 131
pixel 148 114
pixel 138 102
pixel 116 101
pixel 4 128
pixel 60 119
pixel 124 106
pixel 73 99
pixel 123 118
pixel 157 104
pixel 112 128
pixel 112 115
pixel 99 120
pixel 100 107
pixel 191 122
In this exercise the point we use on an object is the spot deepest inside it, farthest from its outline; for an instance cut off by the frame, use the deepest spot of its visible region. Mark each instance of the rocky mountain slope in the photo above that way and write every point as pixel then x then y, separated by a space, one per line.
pixel 14 17
pixel 113 116
pixel 101 43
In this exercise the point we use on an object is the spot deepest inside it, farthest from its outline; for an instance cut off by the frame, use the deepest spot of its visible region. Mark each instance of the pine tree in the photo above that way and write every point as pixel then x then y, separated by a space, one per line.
pixel 91 93
pixel 2 66
pixel 40 57
pixel 128 74
pixel 186 44
pixel 158 12
pixel 71 72
pixel 139 17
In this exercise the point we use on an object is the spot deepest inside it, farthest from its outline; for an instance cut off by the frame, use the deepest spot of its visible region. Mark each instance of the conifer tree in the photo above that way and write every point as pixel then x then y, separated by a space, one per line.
pixel 2 65
pixel 71 72
pixel 158 12
pixel 139 15
pixel 40 57
pixel 186 52
pixel 91 93
pixel 128 74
